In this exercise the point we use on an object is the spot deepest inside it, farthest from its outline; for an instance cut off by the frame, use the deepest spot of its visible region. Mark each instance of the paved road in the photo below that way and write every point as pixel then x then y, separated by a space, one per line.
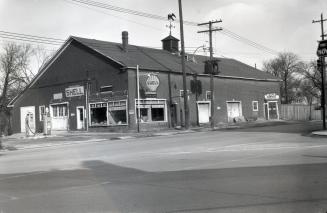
pixel 223 171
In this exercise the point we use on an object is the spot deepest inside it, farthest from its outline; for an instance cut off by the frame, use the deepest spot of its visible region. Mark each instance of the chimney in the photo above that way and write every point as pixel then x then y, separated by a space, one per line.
pixel 125 40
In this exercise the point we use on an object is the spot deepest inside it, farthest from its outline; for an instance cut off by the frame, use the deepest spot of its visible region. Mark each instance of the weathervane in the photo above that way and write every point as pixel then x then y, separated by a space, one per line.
pixel 171 18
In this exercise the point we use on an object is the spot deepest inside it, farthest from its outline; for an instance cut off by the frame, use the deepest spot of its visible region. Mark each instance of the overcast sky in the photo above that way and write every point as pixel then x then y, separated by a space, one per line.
pixel 281 25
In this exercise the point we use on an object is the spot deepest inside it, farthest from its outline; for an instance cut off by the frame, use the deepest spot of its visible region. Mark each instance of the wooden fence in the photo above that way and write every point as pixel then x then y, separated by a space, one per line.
pixel 299 112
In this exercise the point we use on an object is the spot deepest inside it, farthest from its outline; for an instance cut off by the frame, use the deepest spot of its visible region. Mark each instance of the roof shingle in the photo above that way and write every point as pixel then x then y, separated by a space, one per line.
pixel 150 58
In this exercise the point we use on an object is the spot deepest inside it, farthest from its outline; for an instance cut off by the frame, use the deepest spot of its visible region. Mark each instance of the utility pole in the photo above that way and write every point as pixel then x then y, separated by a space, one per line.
pixel 186 109
pixel 322 59
pixel 212 123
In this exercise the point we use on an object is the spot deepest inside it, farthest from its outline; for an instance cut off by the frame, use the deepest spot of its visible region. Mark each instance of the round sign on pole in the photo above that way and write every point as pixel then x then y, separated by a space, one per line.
pixel 152 82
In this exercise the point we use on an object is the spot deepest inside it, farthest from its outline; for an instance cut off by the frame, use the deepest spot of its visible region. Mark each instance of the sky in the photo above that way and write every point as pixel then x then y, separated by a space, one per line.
pixel 280 25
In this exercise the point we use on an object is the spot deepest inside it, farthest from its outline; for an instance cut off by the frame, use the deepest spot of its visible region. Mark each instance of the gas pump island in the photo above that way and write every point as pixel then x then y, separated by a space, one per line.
pixel 30 129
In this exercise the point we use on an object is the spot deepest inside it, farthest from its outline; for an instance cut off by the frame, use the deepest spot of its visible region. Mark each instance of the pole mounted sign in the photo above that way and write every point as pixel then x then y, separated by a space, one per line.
pixel 152 83
pixel 322 48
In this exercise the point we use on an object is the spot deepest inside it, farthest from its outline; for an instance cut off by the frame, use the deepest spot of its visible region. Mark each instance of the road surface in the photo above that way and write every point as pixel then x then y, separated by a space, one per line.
pixel 248 170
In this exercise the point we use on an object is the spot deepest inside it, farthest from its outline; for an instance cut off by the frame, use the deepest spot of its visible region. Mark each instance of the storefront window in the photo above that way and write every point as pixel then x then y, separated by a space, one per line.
pixel 117 112
pixel 153 110
pixel 157 114
pixel 98 114
pixel 59 110
pixel 144 115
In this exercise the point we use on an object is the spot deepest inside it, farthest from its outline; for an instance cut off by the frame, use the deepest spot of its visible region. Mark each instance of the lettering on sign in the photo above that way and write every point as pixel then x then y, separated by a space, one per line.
pixel 322 48
pixel 271 96
pixel 57 96
pixel 74 91
pixel 152 82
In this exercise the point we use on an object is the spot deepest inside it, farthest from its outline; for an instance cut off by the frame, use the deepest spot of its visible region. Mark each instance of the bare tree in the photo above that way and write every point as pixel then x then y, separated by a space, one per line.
pixel 15 74
pixel 42 56
pixel 311 83
pixel 285 66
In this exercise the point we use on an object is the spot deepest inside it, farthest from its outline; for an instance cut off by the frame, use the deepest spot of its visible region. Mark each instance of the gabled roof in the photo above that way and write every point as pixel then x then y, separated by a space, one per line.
pixel 170 37
pixel 162 60
pixel 157 60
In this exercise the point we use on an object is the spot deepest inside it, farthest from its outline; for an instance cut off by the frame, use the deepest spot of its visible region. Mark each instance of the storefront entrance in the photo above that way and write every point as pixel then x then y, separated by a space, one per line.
pixel 80 117
pixel 271 110
pixel 204 111
pixel 59 116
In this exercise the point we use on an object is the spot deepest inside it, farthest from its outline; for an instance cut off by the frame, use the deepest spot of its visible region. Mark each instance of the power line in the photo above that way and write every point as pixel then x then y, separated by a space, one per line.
pixel 128 11
pixel 40 37
pixel 248 42
pixel 115 16
pixel 163 18
pixel 30 38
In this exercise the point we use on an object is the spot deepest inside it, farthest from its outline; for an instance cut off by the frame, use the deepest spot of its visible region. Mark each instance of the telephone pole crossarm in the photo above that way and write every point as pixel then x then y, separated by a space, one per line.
pixel 208 31
pixel 212 22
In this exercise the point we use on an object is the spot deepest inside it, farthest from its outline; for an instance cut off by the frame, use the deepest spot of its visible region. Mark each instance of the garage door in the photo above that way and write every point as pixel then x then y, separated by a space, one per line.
pixel 59 116
pixel 233 110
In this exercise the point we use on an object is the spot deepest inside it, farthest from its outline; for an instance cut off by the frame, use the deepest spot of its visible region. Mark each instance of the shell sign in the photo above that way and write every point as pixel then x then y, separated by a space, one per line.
pixel 152 82
pixel 271 96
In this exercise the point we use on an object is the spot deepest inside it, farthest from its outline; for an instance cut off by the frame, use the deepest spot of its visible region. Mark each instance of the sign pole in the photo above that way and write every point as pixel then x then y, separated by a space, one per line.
pixel 138 98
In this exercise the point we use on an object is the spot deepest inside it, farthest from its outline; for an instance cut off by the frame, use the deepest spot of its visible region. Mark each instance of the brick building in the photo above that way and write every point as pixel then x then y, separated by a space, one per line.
pixel 92 84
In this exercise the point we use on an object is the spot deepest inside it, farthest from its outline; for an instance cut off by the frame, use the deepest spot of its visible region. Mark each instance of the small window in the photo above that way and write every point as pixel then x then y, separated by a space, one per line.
pixel 106 88
pixel 255 105
pixel 41 112
pixel 208 95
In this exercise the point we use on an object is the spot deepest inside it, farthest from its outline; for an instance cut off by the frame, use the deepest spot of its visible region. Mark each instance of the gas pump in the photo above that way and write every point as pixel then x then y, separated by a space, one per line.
pixel 29 125
pixel 47 122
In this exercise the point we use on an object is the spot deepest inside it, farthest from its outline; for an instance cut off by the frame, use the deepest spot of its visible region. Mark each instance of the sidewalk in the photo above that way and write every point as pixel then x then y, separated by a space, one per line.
pixel 59 138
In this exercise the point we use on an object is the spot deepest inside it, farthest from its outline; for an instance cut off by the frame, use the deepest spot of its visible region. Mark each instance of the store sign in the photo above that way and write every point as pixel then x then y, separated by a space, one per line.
pixel 322 48
pixel 74 91
pixel 152 82
pixel 271 96
pixel 57 96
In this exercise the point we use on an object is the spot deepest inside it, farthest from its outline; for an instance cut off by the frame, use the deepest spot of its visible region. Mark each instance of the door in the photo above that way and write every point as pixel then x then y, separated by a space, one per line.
pixel 204 112
pixel 173 112
pixel 80 117
pixel 273 110
pixel 233 110
pixel 265 105
pixel 23 113
pixel 59 116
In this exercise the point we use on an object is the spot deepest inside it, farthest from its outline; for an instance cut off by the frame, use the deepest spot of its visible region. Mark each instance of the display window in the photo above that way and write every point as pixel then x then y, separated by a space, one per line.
pixel 154 110
pixel 117 112
pixel 108 114
pixel 98 114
